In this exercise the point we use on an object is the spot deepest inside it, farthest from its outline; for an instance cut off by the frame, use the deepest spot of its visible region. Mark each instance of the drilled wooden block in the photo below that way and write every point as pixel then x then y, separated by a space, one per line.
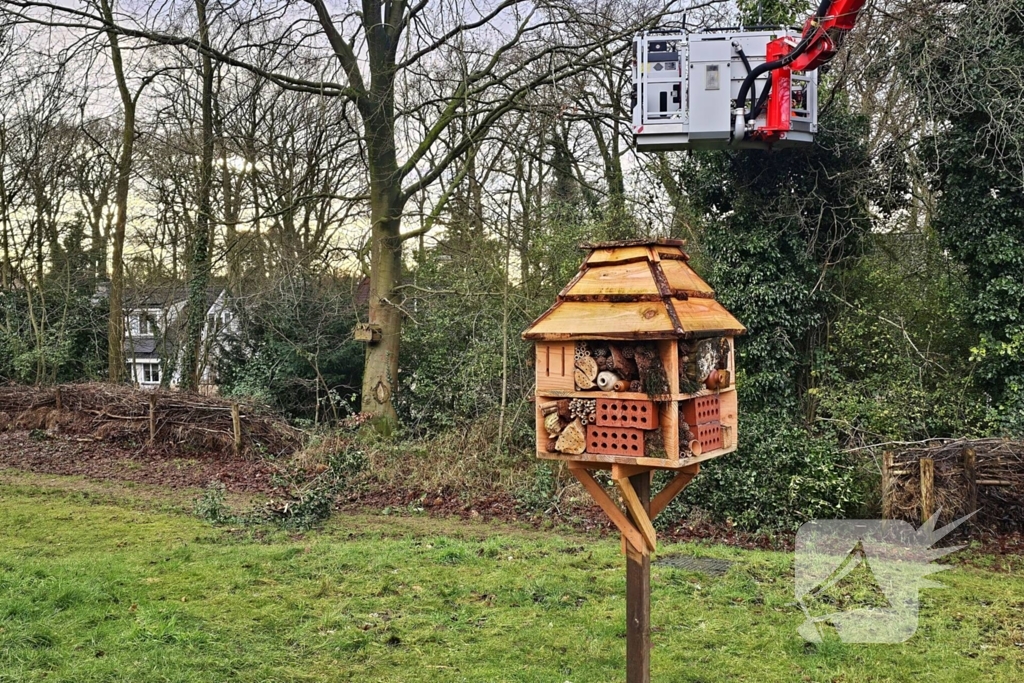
pixel 627 413
pixel 709 435
pixel 702 409
pixel 615 441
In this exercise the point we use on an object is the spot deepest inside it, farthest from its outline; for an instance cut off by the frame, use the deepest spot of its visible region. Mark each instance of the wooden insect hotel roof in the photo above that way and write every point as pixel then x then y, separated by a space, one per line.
pixel 639 289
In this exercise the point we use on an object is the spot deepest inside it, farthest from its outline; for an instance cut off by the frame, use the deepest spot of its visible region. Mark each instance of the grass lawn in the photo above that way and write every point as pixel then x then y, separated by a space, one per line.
pixel 98 587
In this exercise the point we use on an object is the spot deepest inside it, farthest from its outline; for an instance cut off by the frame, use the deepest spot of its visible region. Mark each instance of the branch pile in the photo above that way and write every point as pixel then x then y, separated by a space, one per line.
pixel 122 413
pixel 999 465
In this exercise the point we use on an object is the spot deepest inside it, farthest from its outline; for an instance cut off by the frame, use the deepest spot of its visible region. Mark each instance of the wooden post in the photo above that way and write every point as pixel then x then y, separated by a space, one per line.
pixel 887 484
pixel 971 475
pixel 58 399
pixel 638 597
pixel 236 423
pixel 152 419
pixel 927 488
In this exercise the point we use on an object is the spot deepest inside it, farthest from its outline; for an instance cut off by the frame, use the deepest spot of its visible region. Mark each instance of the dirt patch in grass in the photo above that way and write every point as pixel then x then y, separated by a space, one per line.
pixel 996 552
pixel 579 515
pixel 32 452
pixel 96 460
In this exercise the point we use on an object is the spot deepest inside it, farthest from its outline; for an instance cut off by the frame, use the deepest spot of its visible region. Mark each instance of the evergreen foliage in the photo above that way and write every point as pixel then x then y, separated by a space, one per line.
pixel 977 161
pixel 779 229
pixel 294 348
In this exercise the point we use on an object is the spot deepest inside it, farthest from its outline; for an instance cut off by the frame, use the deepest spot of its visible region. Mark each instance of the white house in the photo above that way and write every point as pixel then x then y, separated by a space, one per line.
pixel 153 339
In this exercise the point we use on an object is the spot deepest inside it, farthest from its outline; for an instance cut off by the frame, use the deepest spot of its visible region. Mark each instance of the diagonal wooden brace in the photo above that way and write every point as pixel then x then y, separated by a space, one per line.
pixel 673 489
pixel 636 510
pixel 630 533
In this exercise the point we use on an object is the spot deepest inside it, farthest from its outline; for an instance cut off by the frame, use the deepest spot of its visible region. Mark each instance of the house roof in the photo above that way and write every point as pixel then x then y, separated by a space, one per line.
pixel 637 289
pixel 142 346
pixel 163 297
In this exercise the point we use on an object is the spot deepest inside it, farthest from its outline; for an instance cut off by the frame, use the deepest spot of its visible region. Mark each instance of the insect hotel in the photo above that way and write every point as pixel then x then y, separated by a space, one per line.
pixel 635 372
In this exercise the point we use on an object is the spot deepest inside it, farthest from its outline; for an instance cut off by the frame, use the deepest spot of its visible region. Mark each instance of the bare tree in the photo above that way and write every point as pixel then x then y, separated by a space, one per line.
pixel 95 176
pixel 500 52
pixel 200 264
pixel 129 102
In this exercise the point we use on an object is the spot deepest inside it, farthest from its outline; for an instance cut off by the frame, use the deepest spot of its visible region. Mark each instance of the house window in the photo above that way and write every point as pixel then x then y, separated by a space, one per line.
pixel 150 373
pixel 146 325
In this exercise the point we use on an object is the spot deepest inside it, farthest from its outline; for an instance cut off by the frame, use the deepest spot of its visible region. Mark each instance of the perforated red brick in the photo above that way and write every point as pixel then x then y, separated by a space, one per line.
pixel 615 441
pixel 710 436
pixel 627 413
pixel 702 409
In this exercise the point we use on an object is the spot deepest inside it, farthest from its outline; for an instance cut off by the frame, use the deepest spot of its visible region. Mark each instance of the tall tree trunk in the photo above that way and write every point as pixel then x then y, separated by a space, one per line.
pixel 380 369
pixel 115 321
pixel 98 249
pixel 6 275
pixel 199 275
pixel 231 192
pixel 115 324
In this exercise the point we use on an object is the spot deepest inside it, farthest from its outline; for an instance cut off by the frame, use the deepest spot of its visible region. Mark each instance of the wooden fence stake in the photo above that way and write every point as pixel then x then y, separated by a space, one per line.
pixel 927 488
pixel 638 597
pixel 887 483
pixel 971 475
pixel 236 423
pixel 152 419
pixel 58 399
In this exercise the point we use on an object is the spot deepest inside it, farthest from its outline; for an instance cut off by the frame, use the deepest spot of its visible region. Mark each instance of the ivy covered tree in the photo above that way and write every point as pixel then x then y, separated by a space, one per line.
pixel 778 228
pixel 969 79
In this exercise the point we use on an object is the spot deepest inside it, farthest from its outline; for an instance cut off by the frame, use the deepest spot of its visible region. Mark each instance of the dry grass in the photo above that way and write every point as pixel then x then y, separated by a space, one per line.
pixel 465 460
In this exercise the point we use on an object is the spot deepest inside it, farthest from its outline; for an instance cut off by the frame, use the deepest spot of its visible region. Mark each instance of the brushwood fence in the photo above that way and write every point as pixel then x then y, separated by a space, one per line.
pixel 956 477
pixel 151 418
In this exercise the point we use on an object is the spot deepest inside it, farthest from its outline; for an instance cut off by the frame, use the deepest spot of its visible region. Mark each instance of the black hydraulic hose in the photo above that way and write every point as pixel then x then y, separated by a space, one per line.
pixel 760 69
pixel 746 65
pixel 761 101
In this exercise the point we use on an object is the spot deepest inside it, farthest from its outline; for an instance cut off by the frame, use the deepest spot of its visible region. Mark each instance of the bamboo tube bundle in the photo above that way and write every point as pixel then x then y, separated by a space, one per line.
pixel 583 409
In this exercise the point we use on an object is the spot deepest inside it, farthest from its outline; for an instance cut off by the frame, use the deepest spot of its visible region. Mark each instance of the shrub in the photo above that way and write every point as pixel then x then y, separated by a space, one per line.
pixel 335 462
pixel 781 476
pixel 211 505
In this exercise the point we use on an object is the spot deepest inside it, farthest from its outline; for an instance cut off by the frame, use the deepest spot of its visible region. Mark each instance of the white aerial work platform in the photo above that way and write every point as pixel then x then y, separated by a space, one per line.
pixel 734 88
pixel 686 86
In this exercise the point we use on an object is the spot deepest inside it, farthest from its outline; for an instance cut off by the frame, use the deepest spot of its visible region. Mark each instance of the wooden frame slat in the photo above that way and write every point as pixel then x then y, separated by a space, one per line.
pixel 673 489
pixel 618 518
pixel 637 511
